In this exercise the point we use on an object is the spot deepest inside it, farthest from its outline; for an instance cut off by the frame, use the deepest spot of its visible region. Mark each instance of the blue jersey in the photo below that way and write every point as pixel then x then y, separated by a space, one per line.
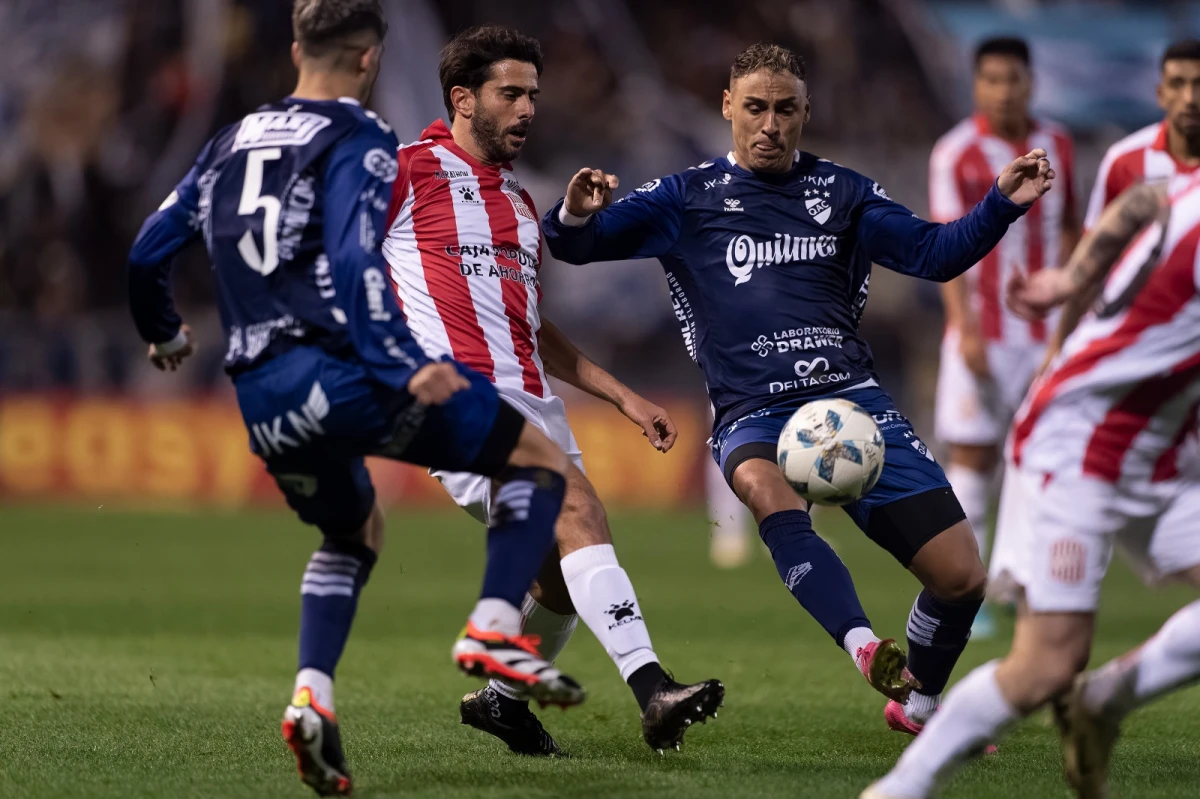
pixel 769 273
pixel 291 203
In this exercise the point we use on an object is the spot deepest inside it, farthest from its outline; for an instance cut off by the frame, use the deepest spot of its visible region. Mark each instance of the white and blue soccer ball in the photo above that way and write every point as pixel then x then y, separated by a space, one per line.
pixel 831 452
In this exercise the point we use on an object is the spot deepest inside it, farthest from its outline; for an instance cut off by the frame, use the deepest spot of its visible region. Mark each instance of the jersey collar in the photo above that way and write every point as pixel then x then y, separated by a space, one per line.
pixel 732 159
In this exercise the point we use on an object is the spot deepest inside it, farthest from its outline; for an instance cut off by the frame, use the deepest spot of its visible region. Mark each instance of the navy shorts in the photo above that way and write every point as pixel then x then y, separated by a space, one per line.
pixel 911 503
pixel 313 417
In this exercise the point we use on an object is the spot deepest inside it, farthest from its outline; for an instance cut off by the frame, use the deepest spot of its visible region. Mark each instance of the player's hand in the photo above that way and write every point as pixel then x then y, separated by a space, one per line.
pixel 655 422
pixel 434 383
pixel 973 348
pixel 589 192
pixel 170 362
pixel 1027 178
pixel 1031 297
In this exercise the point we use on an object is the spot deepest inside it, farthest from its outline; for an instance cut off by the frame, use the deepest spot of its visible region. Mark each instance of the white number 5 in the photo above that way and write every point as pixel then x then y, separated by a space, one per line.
pixel 252 201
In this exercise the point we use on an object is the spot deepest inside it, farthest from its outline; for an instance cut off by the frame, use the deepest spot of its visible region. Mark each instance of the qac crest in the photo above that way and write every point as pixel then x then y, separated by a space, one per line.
pixel 819 209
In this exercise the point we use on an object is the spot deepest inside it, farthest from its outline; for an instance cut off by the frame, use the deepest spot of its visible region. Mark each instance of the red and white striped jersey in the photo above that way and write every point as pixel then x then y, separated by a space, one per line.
pixel 1140 157
pixel 465 246
pixel 1121 397
pixel 964 165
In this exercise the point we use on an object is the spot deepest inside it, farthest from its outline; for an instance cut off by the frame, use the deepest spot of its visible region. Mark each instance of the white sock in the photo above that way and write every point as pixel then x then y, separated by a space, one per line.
pixel 554 629
pixel 1167 661
pixel 974 490
pixel 603 596
pixel 919 707
pixel 496 615
pixel 856 639
pixel 319 683
pixel 973 715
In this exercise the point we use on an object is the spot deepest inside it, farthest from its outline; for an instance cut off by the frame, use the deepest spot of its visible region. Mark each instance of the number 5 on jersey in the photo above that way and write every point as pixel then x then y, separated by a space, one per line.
pixel 252 201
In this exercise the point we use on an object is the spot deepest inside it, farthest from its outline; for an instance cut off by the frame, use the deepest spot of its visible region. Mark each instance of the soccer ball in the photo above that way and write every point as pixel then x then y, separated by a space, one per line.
pixel 831 451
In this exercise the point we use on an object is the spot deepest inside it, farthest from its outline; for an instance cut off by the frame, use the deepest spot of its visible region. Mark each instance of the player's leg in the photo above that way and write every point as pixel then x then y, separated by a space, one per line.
pixel 1091 717
pixel 600 591
pixel 1048 651
pixel 808 566
pixel 603 595
pixel 474 431
pixel 501 709
pixel 327 485
pixel 968 420
pixel 914 515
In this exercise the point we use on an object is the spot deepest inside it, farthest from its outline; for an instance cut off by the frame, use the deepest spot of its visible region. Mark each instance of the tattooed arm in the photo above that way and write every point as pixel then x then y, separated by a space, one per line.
pixel 1079 281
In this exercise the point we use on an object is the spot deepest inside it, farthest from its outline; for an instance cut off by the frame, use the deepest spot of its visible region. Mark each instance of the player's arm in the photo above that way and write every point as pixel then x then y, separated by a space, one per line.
pixel 896 238
pixel 586 225
pixel 358 186
pixel 1079 282
pixel 564 361
pixel 166 232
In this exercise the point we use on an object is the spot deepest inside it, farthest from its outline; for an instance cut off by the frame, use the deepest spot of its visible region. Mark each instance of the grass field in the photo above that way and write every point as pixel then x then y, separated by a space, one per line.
pixel 150 655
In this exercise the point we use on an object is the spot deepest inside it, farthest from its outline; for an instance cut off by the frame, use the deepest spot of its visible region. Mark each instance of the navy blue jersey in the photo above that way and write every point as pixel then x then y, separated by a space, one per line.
pixel 291 203
pixel 769 273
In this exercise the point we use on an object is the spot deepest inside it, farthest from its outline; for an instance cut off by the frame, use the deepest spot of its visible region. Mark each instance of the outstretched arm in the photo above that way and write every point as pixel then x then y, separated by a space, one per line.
pixel 896 238
pixel 586 225
pixel 564 361
pixel 1079 282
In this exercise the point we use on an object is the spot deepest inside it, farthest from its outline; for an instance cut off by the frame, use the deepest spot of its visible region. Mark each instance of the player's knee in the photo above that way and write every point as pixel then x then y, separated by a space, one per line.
pixel 584 521
pixel 964 582
pixel 535 450
pixel 761 488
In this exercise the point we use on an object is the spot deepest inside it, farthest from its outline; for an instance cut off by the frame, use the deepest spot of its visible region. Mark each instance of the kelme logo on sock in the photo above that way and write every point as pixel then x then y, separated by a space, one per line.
pixel 623 613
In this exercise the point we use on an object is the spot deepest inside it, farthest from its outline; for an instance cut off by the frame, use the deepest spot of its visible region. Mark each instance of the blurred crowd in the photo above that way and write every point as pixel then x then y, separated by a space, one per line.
pixel 103 104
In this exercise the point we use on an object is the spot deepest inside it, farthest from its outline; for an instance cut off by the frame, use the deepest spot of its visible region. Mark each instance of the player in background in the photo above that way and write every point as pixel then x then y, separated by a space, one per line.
pixel 767 252
pixel 465 248
pixel 291 205
pixel 989 355
pixel 1093 461
pixel 1162 151
pixel 730 524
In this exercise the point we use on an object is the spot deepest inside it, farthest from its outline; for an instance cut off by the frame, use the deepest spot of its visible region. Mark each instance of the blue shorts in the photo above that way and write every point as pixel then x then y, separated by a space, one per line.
pixel 911 503
pixel 313 417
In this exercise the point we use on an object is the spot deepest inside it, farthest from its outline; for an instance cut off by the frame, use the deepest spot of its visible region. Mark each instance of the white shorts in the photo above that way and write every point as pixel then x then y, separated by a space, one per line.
pixel 1058 536
pixel 971 410
pixel 473 492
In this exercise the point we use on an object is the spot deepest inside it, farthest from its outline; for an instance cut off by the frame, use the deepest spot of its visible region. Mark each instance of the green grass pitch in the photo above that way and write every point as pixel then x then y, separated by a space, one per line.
pixel 150 655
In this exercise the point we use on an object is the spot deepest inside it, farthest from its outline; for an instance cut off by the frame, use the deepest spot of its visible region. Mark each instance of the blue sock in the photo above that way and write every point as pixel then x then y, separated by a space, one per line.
pixel 335 576
pixel 523 515
pixel 938 632
pixel 813 572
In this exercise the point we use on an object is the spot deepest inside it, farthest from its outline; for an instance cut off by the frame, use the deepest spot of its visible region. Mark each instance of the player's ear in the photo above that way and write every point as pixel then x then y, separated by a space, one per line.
pixel 370 58
pixel 727 105
pixel 1159 92
pixel 463 100
pixel 297 54
pixel 807 110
